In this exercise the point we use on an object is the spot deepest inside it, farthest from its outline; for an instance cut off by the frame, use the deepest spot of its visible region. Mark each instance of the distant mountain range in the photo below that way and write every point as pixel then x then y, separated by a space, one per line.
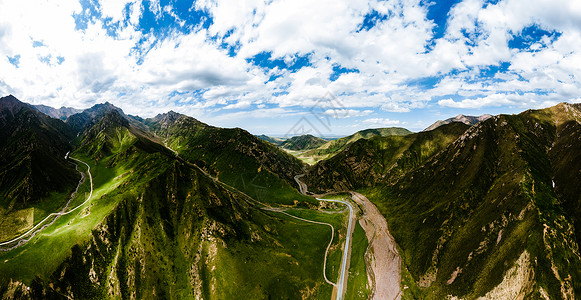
pixel 98 204
pixel 270 139
pixel 58 113
pixel 468 120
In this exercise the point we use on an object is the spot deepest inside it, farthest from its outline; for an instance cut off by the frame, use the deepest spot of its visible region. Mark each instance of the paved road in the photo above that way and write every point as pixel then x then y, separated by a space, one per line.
pixel 343 276
pixel 58 214
pixel 342 283
pixel 282 211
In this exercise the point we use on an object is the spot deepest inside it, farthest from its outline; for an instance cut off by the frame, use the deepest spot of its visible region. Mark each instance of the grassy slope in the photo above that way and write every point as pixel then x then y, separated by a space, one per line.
pixel 477 206
pixel 235 157
pixel 358 285
pixel 368 162
pixel 332 147
pixel 303 142
pixel 157 226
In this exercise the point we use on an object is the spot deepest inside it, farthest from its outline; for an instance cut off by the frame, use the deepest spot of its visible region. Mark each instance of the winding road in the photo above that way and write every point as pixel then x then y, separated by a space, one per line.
pixel 343 275
pixel 341 285
pixel 20 238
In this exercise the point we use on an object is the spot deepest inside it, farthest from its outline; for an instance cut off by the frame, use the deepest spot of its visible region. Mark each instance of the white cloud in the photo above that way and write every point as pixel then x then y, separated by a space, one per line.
pixel 381 121
pixel 347 113
pixel 193 71
pixel 114 8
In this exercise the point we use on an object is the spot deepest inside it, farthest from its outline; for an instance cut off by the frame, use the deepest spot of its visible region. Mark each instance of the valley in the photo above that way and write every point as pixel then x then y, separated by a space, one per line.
pixel 175 208
pixel 120 161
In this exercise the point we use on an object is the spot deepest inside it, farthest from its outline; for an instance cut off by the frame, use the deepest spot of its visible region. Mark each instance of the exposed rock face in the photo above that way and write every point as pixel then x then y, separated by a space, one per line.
pixel 58 113
pixel 468 120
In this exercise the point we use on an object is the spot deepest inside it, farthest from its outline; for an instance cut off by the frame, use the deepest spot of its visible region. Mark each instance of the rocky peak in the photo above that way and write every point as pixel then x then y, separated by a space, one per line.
pixel 114 118
pixel 58 113
pixel 468 120
pixel 10 104
pixel 81 121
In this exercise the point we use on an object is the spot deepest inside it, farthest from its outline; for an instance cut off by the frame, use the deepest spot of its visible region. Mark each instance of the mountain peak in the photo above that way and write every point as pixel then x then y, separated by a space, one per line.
pixel 114 117
pixel 99 107
pixel 91 116
pixel 10 102
pixel 468 120
pixel 58 113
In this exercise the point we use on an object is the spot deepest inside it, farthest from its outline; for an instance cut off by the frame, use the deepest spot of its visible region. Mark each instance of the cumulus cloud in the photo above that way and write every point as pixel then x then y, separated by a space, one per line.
pixel 381 121
pixel 373 56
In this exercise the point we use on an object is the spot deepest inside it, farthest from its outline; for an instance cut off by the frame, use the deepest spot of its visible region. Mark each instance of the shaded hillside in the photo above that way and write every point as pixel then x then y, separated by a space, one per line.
pixel 368 162
pixel 234 156
pixel 89 117
pixel 303 142
pixel 482 218
pixel 334 146
pixel 32 151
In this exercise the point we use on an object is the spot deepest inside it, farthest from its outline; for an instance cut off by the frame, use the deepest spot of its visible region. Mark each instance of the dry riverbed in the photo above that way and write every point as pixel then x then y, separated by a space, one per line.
pixel 385 262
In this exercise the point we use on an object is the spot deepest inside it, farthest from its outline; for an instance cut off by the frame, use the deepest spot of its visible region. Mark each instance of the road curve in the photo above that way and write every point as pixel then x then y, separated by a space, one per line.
pixel 61 213
pixel 328 246
pixel 343 276
pixel 269 208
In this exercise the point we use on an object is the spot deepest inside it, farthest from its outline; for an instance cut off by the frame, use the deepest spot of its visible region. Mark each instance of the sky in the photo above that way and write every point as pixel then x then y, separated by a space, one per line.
pixel 288 67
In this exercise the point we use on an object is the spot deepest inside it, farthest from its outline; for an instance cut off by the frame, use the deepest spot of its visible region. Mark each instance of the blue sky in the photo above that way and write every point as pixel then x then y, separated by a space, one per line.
pixel 283 67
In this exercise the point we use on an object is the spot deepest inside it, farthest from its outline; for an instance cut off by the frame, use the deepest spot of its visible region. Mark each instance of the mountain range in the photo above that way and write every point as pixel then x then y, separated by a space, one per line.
pixel 100 204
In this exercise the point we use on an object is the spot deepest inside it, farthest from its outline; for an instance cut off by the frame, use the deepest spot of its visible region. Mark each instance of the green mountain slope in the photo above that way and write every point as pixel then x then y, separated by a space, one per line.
pixel 32 151
pixel 368 162
pixel 234 156
pixel 481 217
pixel 303 142
pixel 158 227
pixel 270 139
pixel 332 147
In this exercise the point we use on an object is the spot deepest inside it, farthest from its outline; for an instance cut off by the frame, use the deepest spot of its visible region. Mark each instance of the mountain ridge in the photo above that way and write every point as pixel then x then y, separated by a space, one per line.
pixel 32 147
pixel 58 113
pixel 303 142
pixel 468 120
pixel 493 197
pixel 471 207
